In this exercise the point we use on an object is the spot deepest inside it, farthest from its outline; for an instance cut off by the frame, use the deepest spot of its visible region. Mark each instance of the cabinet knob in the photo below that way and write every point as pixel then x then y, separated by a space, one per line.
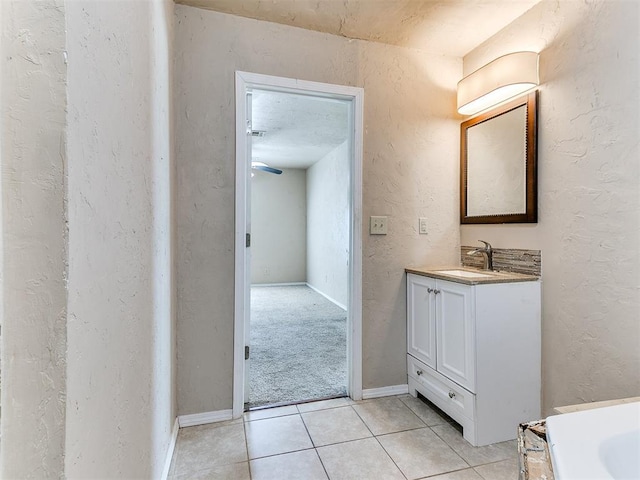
pixel 452 394
pixel 436 291
pixel 419 372
pixel 429 290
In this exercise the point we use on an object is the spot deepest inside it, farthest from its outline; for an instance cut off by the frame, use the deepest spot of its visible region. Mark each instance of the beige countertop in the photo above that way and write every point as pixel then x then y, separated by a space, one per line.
pixel 483 277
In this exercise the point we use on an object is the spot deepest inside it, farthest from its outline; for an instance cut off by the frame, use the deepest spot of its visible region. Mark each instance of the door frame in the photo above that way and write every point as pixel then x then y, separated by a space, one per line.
pixel 245 82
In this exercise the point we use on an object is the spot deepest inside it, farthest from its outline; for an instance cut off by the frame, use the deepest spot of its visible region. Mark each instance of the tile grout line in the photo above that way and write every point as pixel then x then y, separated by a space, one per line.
pixel 390 457
pixel 453 450
pixel 378 440
pixel 465 460
pixel 452 471
pixel 315 448
pixel 485 464
pixel 391 433
pixel 282 453
pixel 246 446
pixel 431 429
pixel 362 420
pixel 324 468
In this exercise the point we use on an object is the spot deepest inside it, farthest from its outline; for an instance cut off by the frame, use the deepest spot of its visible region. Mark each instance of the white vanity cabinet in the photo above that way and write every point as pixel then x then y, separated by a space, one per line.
pixel 474 351
pixel 441 327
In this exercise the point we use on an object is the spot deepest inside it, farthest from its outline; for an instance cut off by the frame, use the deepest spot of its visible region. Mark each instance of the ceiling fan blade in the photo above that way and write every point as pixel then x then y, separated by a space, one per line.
pixel 266 168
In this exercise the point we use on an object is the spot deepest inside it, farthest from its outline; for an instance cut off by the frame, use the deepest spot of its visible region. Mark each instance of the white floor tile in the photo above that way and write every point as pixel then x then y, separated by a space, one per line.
pixel 358 460
pixel 427 414
pixel 421 453
pixel 504 470
pixel 476 455
pixel 273 436
pixel 467 474
pixel 289 466
pixel 205 446
pixel 234 471
pixel 334 426
pixel 387 415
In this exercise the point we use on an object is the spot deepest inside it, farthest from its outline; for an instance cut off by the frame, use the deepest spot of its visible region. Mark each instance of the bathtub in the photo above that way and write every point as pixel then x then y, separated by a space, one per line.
pixel 603 443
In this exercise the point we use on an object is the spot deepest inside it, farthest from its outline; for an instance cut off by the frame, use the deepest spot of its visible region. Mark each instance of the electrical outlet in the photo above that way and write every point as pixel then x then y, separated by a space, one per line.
pixel 423 225
pixel 378 225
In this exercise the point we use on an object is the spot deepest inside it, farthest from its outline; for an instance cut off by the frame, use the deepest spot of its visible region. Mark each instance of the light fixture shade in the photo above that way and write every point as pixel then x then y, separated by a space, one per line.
pixel 497 81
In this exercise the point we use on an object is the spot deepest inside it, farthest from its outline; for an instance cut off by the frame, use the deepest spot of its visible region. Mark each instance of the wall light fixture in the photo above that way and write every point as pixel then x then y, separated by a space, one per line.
pixel 502 79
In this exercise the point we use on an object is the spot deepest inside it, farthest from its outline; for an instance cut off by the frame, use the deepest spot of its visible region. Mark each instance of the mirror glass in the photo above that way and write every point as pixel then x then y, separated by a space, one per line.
pixel 498 156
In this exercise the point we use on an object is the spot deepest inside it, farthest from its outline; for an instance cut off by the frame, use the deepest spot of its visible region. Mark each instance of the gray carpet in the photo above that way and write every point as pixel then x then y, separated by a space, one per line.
pixel 298 346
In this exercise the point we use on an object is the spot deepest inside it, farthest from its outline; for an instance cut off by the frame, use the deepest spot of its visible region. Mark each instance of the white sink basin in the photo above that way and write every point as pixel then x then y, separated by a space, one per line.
pixel 464 273
pixel 603 443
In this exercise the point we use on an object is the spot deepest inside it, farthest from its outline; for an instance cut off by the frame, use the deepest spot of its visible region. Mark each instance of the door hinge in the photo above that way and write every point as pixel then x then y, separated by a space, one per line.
pixel 248 240
pixel 246 352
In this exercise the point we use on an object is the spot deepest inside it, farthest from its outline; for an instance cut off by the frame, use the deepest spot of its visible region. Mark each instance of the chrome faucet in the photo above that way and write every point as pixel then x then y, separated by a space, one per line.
pixel 488 254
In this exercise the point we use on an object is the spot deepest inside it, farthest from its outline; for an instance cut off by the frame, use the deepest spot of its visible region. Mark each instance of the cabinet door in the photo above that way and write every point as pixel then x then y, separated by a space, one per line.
pixel 421 325
pixel 456 334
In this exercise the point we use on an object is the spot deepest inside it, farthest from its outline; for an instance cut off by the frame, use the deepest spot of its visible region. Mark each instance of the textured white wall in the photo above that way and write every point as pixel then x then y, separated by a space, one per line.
pixel 410 170
pixel 589 194
pixel 120 400
pixel 33 102
pixel 328 196
pixel 279 227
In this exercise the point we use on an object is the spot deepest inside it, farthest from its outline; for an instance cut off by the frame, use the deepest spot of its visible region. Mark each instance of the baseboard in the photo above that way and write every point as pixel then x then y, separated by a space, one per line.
pixel 385 391
pixel 204 418
pixel 170 450
pixel 327 297
pixel 295 284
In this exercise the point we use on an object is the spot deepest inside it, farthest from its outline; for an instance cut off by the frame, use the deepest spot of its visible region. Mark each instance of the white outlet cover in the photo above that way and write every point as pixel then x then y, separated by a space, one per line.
pixel 422 222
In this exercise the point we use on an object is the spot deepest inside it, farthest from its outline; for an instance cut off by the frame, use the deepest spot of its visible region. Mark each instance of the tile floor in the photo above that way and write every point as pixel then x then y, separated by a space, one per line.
pixel 397 437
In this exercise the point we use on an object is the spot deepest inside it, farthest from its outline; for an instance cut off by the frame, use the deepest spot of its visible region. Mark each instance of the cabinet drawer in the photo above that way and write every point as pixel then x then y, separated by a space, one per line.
pixel 447 395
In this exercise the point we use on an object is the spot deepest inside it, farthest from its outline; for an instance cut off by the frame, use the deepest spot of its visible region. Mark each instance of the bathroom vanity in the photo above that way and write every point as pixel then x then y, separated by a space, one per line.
pixel 473 347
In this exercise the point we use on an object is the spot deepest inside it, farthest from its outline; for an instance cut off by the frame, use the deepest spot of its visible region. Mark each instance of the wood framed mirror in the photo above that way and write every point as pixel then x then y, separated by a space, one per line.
pixel 498 164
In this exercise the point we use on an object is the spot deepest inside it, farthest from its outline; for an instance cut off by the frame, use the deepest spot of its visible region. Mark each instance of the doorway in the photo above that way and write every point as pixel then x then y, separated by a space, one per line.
pixel 251 87
pixel 298 346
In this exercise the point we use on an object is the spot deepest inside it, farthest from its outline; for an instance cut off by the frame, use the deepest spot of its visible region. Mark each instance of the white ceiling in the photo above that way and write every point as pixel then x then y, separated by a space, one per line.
pixel 301 130
pixel 298 130
pixel 448 27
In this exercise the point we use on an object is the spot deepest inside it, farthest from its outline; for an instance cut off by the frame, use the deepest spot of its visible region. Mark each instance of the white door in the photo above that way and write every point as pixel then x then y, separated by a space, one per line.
pixel 421 326
pixel 455 331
